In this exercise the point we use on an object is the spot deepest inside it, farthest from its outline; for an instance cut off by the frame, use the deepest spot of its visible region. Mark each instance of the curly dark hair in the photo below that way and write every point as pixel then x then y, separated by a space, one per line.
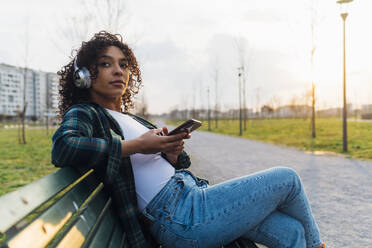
pixel 87 56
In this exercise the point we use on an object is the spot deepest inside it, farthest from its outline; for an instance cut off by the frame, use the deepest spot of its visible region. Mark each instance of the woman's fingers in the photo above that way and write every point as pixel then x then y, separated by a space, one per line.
pixel 165 130
pixel 152 142
pixel 174 143
pixel 157 131
pixel 173 146
pixel 175 137
pixel 176 151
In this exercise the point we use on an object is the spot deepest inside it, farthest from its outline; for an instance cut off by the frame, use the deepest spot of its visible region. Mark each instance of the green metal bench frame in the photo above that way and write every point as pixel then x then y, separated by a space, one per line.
pixel 64 209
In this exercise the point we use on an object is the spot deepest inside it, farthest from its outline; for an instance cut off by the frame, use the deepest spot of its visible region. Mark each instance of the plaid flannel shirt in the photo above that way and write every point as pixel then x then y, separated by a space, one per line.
pixel 89 137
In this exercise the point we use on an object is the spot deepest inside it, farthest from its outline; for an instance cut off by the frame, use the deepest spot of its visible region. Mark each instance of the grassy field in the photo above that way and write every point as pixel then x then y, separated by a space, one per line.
pixel 297 133
pixel 21 164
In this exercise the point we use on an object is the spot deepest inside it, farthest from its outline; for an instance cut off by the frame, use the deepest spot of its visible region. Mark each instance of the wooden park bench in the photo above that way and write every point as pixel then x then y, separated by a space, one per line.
pixel 64 209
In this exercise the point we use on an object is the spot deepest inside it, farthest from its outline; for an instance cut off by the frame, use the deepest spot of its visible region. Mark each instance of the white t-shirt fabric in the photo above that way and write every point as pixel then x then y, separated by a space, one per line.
pixel 151 171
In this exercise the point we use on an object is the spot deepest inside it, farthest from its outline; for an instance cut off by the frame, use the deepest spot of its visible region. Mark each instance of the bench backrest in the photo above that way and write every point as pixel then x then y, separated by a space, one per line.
pixel 62 209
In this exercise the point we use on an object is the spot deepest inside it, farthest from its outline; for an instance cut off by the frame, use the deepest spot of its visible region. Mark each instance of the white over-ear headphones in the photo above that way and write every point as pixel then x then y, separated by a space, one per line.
pixel 81 76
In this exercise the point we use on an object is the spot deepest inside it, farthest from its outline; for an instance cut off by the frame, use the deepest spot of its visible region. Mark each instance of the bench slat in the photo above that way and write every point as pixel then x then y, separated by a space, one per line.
pixel 15 205
pixel 78 233
pixel 118 237
pixel 105 231
pixel 42 229
pixel 95 225
pixel 93 231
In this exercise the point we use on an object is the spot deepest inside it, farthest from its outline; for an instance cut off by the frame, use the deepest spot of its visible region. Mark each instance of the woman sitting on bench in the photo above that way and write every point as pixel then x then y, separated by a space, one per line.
pixel 145 171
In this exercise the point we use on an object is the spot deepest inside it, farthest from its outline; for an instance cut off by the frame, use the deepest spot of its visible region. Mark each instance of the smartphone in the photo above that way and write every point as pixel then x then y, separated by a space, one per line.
pixel 187 126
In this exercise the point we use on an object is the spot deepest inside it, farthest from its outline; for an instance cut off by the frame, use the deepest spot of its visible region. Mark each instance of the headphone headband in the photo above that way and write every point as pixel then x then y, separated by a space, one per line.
pixel 75 65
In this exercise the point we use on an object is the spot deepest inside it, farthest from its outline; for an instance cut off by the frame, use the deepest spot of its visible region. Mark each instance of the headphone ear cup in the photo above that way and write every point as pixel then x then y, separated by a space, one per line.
pixel 82 78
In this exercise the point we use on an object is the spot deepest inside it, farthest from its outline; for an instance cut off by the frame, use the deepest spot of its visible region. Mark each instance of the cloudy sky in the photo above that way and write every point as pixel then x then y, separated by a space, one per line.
pixel 181 45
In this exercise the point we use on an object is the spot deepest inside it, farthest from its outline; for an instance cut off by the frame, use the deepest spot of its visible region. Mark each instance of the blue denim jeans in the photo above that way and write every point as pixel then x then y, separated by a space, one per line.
pixel 268 207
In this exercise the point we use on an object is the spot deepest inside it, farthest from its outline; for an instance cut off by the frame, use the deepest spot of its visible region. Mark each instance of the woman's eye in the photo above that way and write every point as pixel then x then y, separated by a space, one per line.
pixel 105 64
pixel 124 66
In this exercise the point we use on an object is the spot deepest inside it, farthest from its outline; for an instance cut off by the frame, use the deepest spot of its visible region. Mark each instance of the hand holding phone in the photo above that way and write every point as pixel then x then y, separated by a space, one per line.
pixel 187 126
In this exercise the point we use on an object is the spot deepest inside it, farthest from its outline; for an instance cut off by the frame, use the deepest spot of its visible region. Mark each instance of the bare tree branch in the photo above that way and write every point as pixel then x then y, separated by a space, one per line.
pixel 110 15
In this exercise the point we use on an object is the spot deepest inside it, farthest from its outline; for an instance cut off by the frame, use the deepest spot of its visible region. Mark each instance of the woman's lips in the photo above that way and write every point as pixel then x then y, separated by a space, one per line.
pixel 117 83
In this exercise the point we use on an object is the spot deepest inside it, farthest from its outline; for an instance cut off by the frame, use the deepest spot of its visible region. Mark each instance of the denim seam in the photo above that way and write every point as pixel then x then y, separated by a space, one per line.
pixel 172 214
pixel 178 193
pixel 242 200
pixel 153 204
pixel 159 197
pixel 231 209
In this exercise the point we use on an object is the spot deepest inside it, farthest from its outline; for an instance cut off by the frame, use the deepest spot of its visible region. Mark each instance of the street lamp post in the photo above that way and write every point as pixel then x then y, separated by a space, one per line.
pixel 240 101
pixel 209 112
pixel 343 5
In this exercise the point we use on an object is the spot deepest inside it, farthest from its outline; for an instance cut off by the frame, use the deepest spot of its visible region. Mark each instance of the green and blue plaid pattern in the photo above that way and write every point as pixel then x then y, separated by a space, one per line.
pixel 90 138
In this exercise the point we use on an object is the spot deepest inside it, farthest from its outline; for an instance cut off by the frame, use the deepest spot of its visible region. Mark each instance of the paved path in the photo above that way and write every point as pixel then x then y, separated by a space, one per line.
pixel 339 189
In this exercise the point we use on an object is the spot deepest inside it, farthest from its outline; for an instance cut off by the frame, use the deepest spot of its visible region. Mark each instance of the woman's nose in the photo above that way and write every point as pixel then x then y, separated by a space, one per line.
pixel 118 70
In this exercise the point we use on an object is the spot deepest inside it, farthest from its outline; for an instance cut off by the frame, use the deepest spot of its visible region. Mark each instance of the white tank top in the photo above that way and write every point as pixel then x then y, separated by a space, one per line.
pixel 151 171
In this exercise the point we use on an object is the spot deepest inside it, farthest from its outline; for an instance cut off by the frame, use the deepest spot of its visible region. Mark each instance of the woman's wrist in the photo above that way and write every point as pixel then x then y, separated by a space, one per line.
pixel 172 158
pixel 129 147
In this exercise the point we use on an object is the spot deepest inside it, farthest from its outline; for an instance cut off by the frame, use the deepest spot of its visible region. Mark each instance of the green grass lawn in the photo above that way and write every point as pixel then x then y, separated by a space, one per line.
pixel 21 164
pixel 297 133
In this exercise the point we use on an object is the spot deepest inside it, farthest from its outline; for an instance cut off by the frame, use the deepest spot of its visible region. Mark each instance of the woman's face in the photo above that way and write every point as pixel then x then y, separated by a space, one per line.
pixel 113 76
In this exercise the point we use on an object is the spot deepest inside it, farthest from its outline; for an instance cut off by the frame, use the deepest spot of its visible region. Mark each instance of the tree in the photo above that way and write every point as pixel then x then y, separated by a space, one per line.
pixel 313 132
pixel 293 105
pixel 258 102
pixel 193 113
pixel 184 105
pixel 307 99
pixel 22 112
pixel 267 110
pixel 201 95
pixel 209 111
pixel 111 13
pixel 240 46
pixel 245 59
pixel 314 18
pixel 215 75
pixel 95 15
pixel 141 106
pixel 276 104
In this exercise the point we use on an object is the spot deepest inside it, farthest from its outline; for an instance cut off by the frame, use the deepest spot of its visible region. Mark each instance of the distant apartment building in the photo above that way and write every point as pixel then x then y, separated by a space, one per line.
pixel 10 90
pixel 41 92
